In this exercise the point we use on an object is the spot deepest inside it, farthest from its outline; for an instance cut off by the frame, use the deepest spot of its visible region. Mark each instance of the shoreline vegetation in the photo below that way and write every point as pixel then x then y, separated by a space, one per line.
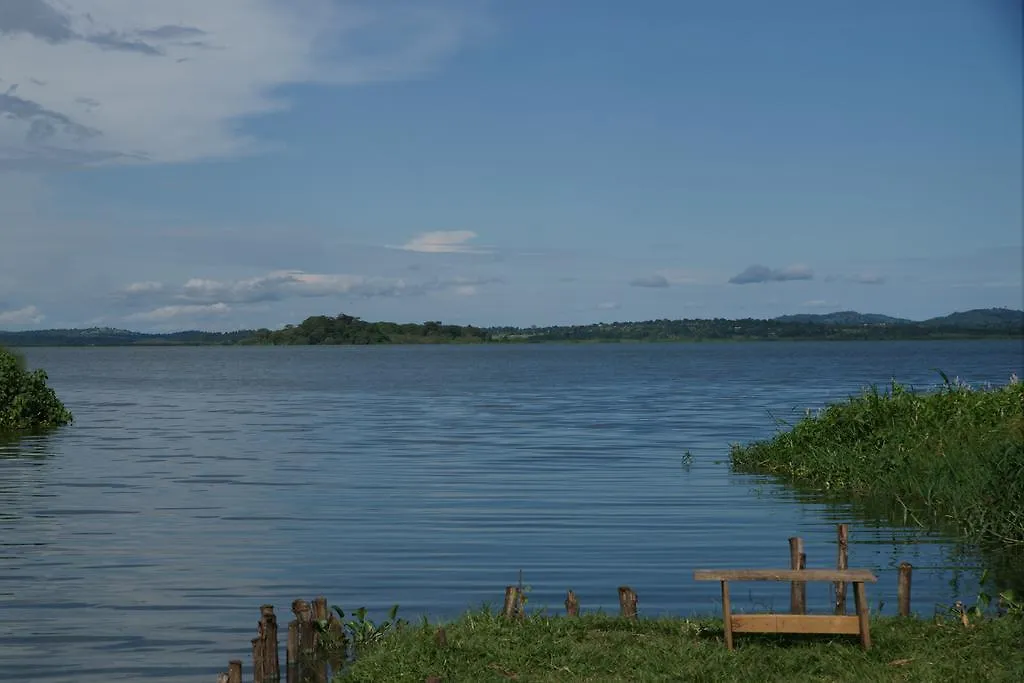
pixel 991 323
pixel 484 647
pixel 27 404
pixel 949 459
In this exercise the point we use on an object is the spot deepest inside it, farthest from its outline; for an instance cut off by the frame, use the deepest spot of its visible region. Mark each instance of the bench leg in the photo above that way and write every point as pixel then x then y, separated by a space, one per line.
pixel 727 614
pixel 862 614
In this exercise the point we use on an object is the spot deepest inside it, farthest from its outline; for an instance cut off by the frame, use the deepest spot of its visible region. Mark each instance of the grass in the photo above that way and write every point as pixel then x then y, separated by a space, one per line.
pixel 484 647
pixel 949 459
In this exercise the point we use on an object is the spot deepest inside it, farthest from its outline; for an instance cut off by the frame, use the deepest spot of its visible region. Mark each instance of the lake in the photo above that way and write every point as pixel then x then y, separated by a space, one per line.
pixel 198 483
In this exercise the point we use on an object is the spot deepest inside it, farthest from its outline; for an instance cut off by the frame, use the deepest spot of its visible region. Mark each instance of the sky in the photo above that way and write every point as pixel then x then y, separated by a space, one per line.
pixel 249 163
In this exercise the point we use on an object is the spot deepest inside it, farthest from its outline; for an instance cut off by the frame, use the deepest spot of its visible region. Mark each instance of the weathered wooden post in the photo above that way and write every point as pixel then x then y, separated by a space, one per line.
pixel 513 602
pixel 441 638
pixel 572 605
pixel 265 663
pixel 234 671
pixel 903 589
pixel 798 589
pixel 627 602
pixel 300 641
pixel 842 562
pixel 320 615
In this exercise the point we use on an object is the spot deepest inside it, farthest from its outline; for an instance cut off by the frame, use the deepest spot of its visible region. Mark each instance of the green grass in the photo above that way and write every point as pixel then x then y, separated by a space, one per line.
pixel 483 647
pixel 950 459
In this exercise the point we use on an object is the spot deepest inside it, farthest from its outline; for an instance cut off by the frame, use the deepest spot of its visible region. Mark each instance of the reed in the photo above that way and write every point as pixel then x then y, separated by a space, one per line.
pixel 950 458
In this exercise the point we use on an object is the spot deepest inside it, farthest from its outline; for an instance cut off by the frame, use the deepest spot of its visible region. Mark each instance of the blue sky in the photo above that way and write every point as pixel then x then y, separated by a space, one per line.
pixel 248 163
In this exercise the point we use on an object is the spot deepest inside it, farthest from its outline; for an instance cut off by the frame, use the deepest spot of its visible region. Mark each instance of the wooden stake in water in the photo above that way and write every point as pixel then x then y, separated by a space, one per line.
pixel 265 663
pixel 627 602
pixel 797 589
pixel 903 589
pixel 512 598
pixel 843 532
pixel 235 671
pixel 572 605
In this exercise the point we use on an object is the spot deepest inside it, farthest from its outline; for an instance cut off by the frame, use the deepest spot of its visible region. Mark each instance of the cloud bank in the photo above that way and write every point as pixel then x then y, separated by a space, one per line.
pixel 205 297
pixel 758 273
pixel 115 81
pixel 29 315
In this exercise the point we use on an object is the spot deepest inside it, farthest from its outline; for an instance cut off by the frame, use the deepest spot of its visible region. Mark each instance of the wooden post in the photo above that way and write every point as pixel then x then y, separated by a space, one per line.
pixel 257 660
pixel 572 605
pixel 300 641
pixel 861 598
pixel 319 615
pixel 441 637
pixel 627 602
pixel 727 615
pixel 265 663
pixel 842 563
pixel 235 671
pixel 798 589
pixel 903 589
pixel 512 602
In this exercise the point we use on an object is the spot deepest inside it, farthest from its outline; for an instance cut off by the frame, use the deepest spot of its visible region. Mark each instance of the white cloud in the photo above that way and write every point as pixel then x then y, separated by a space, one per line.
pixel 608 306
pixel 185 310
pixel 29 315
pixel 444 242
pixel 144 287
pixel 88 81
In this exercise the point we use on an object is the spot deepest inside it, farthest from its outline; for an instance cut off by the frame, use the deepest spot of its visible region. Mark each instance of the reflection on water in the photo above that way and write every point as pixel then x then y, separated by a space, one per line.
pixel 198 483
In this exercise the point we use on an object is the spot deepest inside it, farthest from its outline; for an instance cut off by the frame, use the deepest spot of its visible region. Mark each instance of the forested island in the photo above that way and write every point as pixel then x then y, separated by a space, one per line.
pixel 342 329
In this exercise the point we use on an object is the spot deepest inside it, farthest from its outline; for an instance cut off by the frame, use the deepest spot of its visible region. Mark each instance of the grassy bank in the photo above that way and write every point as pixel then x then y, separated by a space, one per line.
pixel 947 459
pixel 483 647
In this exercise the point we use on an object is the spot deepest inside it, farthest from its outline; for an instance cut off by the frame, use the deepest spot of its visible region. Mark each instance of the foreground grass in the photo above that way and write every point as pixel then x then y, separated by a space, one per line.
pixel 484 647
pixel 947 459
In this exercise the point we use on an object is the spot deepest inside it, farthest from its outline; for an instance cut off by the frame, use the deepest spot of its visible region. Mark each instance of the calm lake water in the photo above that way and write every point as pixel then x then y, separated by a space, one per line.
pixel 198 483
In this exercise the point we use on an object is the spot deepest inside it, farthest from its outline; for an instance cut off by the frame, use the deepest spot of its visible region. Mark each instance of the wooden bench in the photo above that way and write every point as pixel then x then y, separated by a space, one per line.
pixel 793 623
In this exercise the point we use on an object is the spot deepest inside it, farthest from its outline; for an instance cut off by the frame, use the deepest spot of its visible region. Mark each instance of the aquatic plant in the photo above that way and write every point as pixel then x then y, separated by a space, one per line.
pixel 950 458
pixel 26 402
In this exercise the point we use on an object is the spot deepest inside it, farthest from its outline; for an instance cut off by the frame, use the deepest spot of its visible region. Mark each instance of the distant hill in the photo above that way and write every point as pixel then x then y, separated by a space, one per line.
pixel 980 319
pixel 108 336
pixel 843 318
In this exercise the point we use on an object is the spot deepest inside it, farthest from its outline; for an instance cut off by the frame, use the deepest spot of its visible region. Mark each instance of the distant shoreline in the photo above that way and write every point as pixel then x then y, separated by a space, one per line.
pixel 524 342
pixel 346 330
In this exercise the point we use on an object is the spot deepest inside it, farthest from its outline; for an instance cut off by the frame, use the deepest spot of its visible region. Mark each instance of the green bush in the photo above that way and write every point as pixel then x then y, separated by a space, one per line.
pixel 26 402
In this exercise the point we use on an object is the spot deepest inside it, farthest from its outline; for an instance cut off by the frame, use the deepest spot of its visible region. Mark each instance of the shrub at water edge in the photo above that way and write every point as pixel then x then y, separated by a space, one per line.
pixel 953 457
pixel 26 402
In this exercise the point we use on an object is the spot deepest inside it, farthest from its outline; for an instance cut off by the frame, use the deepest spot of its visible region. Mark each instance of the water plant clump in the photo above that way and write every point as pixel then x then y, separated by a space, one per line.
pixel 26 402
pixel 950 458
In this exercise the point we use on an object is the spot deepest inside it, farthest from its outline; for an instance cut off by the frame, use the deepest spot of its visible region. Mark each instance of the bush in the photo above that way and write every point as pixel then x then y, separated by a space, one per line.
pixel 26 402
